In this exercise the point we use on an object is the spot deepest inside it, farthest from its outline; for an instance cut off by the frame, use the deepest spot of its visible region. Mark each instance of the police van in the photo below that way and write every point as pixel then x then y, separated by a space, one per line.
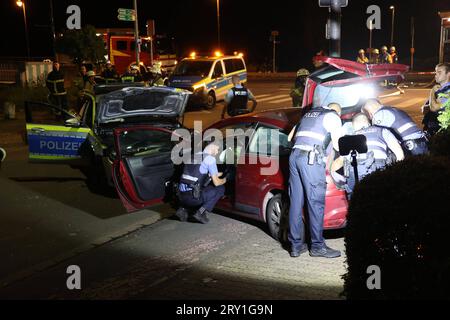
pixel 208 78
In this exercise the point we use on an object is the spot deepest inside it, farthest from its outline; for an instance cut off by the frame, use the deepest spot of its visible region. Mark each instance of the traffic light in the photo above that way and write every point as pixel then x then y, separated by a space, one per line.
pixel 327 3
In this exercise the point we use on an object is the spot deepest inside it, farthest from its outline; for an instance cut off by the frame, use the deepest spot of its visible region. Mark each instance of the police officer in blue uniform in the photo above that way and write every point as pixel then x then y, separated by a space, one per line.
pixel 379 142
pixel 237 99
pixel 194 190
pixel 412 139
pixel 308 177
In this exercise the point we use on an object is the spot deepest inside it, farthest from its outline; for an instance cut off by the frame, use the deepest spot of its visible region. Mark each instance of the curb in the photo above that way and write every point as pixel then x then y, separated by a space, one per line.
pixel 27 273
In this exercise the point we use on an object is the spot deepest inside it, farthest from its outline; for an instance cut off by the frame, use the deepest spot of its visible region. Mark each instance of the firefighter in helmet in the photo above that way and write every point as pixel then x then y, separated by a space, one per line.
pixel 299 87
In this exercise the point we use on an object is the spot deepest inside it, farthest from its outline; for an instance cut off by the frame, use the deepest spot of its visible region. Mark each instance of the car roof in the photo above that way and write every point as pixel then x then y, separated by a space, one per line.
pixel 202 58
pixel 284 119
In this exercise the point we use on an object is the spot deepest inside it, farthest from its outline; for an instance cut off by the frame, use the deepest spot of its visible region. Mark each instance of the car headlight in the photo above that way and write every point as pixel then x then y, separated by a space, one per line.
pixel 198 89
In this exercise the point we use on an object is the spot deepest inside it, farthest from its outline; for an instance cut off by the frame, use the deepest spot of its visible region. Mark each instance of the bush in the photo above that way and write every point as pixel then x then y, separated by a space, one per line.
pixel 399 220
pixel 440 144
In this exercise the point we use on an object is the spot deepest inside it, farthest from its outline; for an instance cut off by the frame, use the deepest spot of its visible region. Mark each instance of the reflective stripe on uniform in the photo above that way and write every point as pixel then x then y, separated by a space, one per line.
pixel 190 178
pixel 310 134
pixel 406 127
pixel 376 144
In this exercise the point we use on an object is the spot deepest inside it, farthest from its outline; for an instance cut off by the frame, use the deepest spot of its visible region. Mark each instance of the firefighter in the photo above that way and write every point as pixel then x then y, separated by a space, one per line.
pixel 194 193
pixel 90 83
pixel 379 142
pixel 299 88
pixel 128 76
pixel 413 139
pixel 156 74
pixel 385 57
pixel 307 169
pixel 439 97
pixel 109 74
pixel 394 55
pixel 237 98
pixel 362 57
pixel 375 57
pixel 55 84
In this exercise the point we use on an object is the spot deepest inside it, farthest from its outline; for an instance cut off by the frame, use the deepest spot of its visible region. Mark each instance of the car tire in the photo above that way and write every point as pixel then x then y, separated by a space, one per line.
pixel 211 101
pixel 277 217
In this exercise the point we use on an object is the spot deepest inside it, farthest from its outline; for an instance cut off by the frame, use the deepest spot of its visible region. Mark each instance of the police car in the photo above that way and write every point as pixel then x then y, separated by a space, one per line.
pixel 208 78
pixel 86 140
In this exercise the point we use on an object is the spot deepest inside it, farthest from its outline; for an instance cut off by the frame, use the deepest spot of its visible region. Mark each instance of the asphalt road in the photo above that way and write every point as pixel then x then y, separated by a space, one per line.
pixel 227 259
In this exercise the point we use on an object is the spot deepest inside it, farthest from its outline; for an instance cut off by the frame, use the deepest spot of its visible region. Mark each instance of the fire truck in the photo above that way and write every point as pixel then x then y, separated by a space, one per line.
pixel 121 47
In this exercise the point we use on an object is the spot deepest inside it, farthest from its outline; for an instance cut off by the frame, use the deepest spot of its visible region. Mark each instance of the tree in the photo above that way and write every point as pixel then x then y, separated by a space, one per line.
pixel 82 45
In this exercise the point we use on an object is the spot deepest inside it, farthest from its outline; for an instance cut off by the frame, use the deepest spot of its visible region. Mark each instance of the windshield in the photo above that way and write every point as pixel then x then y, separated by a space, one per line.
pixel 192 68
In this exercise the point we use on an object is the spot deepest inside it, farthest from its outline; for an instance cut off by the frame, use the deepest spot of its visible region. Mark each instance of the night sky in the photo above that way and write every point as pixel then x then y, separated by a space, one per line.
pixel 246 26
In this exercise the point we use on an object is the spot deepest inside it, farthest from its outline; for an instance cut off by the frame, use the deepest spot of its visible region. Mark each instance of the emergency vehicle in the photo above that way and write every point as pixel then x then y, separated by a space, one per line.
pixel 121 48
pixel 209 78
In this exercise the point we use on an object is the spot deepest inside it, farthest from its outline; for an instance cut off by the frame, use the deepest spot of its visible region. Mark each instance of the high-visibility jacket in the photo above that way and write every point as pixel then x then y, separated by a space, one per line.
pixel 55 83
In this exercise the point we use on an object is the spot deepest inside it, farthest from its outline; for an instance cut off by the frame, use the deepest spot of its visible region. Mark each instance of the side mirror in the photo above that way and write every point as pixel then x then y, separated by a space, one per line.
pixel 73 123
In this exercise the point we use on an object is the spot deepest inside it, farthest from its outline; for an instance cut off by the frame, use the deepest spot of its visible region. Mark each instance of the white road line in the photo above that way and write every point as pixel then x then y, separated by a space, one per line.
pixel 262 96
pixel 273 98
pixel 281 101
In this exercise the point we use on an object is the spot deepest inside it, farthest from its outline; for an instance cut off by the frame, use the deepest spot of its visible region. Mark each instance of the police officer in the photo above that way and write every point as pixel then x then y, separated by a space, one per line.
pixel 308 177
pixel 413 139
pixel 55 84
pixel 439 96
pixel 379 142
pixel 237 98
pixel 385 57
pixel 193 192
pixel 299 88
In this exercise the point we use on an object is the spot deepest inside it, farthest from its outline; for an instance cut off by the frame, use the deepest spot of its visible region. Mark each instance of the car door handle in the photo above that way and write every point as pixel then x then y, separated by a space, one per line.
pixel 37 130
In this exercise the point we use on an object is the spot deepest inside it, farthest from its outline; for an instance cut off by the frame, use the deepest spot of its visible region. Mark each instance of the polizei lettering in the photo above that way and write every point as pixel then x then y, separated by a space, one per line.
pixel 60 145
pixel 186 310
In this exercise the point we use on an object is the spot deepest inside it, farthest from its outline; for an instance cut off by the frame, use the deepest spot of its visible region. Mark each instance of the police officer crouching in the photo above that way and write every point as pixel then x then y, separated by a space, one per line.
pixel 307 169
pixel 412 139
pixel 194 193
pixel 237 99
pixel 379 142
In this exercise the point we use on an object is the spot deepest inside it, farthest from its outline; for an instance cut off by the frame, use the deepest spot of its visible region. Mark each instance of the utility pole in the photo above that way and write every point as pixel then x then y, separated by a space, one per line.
pixel 52 25
pixel 335 28
pixel 370 39
pixel 274 36
pixel 136 34
pixel 413 33
pixel 218 24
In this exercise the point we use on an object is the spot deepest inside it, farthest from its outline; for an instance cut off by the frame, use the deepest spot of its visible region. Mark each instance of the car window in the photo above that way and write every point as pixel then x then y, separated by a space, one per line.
pixel 229 66
pixel 41 113
pixel 145 142
pixel 193 68
pixel 218 70
pixel 238 65
pixel 121 45
pixel 268 141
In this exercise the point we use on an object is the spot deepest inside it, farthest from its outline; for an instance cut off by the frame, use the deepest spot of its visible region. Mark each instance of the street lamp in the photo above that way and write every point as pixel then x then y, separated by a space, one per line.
pixel 21 4
pixel 393 23
pixel 218 23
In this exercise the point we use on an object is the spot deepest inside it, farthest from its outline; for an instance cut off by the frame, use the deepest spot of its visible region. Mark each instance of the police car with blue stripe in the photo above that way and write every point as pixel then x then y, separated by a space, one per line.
pixel 87 140
pixel 209 78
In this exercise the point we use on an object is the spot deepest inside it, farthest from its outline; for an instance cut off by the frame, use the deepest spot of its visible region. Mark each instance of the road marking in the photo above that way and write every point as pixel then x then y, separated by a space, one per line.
pixel 281 101
pixel 262 96
pixel 391 99
pixel 273 98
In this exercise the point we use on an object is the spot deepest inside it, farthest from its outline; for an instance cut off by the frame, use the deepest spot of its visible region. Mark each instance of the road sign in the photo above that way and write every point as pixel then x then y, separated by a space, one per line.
pixel 327 3
pixel 126 14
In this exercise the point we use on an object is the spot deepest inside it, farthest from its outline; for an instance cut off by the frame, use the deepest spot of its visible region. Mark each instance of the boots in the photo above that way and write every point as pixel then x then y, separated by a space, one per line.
pixel 182 214
pixel 201 216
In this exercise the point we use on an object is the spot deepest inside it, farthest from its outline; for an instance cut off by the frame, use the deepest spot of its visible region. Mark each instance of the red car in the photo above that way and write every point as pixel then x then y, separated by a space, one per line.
pixel 142 178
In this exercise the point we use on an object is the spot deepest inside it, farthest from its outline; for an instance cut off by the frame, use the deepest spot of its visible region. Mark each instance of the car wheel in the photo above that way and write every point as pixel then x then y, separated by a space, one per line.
pixel 277 216
pixel 211 101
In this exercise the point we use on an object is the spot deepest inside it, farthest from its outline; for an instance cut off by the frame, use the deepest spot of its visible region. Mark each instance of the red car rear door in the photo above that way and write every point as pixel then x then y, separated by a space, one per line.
pixel 143 167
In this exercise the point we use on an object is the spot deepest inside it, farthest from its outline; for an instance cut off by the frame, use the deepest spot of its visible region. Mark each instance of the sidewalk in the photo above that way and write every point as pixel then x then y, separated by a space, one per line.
pixel 39 232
